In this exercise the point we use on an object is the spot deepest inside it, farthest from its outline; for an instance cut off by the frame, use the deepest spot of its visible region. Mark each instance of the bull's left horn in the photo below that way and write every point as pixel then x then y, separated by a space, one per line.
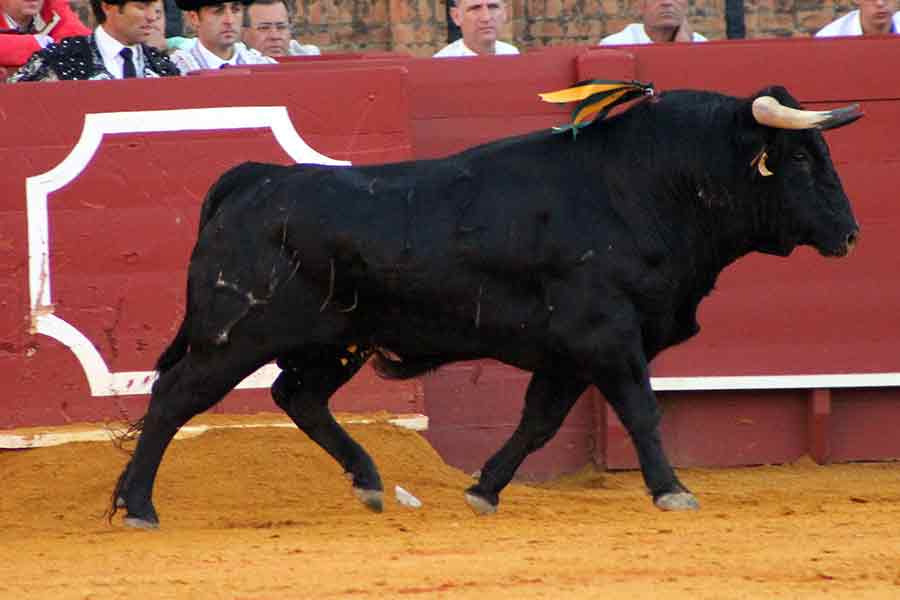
pixel 769 111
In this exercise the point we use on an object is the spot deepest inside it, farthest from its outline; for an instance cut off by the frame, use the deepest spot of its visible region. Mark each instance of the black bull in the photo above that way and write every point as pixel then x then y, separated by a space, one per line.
pixel 578 260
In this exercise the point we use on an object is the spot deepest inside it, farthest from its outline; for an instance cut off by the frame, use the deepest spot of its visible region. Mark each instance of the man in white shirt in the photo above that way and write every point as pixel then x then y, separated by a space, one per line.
pixel 663 21
pixel 480 22
pixel 267 28
pixel 873 17
pixel 218 26
pixel 116 49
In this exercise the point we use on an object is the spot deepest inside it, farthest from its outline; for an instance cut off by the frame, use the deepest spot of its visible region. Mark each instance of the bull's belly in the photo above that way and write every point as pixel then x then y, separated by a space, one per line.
pixel 512 336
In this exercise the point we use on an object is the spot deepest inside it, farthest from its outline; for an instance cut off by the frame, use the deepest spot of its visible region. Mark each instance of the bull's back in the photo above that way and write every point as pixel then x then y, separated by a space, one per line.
pixel 230 183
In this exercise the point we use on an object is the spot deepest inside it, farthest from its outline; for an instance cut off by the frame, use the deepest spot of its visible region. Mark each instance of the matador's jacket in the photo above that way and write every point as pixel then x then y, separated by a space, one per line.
pixel 79 58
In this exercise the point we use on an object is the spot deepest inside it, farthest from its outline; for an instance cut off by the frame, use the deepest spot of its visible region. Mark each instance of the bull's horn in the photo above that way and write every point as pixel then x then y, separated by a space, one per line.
pixel 769 111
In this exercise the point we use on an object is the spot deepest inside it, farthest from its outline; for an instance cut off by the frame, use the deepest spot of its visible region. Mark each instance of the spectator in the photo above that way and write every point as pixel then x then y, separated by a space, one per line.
pixel 267 28
pixel 157 37
pixel 30 25
pixel 873 17
pixel 217 23
pixel 115 50
pixel 662 21
pixel 479 21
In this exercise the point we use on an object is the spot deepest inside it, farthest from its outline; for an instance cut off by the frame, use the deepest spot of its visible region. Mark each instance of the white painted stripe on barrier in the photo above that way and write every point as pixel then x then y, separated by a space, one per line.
pixel 96 125
pixel 776 382
pixel 140 382
pixel 19 441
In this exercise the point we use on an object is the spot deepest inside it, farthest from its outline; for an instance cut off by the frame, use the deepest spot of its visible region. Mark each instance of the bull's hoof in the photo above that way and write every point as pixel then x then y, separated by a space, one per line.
pixel 677 501
pixel 120 502
pixel 373 499
pixel 480 505
pixel 139 523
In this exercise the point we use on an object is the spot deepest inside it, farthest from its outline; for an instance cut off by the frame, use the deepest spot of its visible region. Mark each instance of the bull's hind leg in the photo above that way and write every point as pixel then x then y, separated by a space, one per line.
pixel 190 387
pixel 309 378
pixel 547 402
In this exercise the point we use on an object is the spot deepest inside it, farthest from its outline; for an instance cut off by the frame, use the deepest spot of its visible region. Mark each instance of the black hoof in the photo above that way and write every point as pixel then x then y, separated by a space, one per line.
pixel 480 503
pixel 139 519
pixel 139 523
pixel 373 499
pixel 677 501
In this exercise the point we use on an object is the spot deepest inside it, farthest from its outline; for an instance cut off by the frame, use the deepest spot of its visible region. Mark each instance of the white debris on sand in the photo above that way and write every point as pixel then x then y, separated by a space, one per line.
pixel 406 499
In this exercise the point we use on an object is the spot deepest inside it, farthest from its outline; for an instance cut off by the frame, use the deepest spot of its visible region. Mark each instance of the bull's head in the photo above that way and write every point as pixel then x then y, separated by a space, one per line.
pixel 794 163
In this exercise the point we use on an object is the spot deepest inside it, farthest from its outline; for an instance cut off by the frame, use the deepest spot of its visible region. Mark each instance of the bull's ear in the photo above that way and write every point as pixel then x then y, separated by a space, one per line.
pixel 780 93
pixel 760 145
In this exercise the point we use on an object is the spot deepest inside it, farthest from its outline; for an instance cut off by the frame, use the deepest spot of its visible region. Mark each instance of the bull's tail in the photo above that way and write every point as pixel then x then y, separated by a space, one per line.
pixel 124 438
pixel 389 367
pixel 176 349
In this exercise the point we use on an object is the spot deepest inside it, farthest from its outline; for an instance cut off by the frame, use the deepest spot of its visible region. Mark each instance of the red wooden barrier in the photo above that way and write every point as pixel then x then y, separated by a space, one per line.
pixel 797 356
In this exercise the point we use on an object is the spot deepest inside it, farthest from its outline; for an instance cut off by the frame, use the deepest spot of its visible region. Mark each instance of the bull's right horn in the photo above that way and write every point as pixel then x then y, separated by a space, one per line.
pixel 769 111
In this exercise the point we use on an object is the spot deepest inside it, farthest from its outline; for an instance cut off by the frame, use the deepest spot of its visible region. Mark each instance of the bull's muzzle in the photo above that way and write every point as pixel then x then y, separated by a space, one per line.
pixel 845 248
pixel 850 243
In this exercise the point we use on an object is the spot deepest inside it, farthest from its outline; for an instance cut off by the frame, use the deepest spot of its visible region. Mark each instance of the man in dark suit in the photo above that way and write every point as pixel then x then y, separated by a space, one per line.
pixel 116 49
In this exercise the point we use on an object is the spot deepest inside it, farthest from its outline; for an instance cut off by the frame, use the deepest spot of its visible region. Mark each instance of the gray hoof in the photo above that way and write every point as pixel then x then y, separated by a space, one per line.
pixel 480 505
pixel 120 502
pixel 371 498
pixel 139 523
pixel 677 501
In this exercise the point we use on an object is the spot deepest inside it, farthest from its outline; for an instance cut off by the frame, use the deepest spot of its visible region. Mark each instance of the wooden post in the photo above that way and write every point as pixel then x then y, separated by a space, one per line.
pixel 819 426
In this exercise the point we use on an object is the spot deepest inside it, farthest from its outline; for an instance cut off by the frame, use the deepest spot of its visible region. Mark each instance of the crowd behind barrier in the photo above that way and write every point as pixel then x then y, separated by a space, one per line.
pixel 262 31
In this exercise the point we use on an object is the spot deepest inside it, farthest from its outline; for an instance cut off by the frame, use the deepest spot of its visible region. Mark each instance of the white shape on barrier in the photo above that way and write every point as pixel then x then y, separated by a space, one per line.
pixel 104 383
pixel 52 436
pixel 101 381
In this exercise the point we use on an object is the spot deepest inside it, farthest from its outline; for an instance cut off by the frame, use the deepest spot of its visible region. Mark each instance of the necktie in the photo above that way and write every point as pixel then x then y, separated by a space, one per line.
pixel 127 68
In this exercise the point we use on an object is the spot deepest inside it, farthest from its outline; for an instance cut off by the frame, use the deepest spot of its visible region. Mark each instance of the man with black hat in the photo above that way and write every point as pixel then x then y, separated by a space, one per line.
pixel 218 27
pixel 115 50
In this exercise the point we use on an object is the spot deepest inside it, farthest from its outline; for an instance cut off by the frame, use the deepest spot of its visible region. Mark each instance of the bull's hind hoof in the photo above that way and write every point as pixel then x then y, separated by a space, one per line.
pixel 139 523
pixel 480 505
pixel 373 499
pixel 677 501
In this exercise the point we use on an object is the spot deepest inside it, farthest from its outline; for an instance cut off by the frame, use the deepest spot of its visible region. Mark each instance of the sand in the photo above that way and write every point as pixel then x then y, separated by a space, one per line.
pixel 263 514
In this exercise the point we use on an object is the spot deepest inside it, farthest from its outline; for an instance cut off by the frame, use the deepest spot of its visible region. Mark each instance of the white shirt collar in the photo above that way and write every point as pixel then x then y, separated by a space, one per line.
pixel 214 62
pixel 109 51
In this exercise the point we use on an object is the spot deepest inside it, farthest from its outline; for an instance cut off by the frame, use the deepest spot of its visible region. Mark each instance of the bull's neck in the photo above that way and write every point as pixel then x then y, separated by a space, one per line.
pixel 721 222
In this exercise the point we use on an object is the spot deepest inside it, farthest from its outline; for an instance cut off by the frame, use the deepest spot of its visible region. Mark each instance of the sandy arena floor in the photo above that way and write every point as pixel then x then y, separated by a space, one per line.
pixel 257 514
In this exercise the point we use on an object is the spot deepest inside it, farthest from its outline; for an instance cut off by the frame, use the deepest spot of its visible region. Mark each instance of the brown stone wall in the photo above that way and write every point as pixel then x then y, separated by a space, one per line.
pixel 419 27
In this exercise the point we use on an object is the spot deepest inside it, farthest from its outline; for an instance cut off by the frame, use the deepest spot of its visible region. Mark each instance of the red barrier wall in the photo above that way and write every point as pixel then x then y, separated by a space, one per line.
pixel 119 235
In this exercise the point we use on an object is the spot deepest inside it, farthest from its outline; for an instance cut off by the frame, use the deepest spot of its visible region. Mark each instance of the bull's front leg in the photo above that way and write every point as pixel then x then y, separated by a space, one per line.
pixel 547 402
pixel 637 408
